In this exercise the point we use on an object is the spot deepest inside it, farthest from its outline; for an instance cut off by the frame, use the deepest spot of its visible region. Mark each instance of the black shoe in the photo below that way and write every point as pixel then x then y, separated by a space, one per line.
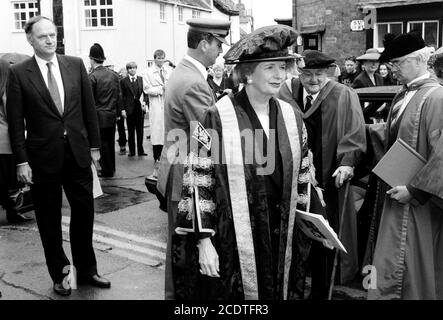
pixel 122 150
pixel 142 154
pixel 60 290
pixel 95 281
pixel 17 218
pixel 131 154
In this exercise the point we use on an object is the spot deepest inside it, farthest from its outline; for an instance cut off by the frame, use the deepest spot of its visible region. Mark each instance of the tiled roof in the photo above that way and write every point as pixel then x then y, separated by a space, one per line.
pixel 393 3
pixel 227 7
pixel 202 4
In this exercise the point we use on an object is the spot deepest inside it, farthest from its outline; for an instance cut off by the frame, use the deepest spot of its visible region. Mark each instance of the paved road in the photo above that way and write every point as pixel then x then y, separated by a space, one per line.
pixel 129 238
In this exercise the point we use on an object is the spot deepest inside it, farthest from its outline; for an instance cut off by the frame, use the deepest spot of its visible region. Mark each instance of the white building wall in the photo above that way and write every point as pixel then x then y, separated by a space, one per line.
pixel 234 34
pixel 121 43
pixel 136 34
pixel 15 41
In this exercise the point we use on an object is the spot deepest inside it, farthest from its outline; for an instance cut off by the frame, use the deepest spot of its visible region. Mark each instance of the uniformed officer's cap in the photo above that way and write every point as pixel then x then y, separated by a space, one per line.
pixel 264 44
pixel 316 60
pixel 218 28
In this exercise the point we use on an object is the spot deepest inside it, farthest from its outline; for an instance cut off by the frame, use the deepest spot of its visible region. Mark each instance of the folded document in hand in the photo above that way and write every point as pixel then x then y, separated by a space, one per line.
pixel 399 165
pixel 317 228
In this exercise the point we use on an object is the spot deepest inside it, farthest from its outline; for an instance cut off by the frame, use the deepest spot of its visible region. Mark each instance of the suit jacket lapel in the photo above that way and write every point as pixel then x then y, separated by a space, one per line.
pixel 129 84
pixel 36 78
pixel 67 83
pixel 322 95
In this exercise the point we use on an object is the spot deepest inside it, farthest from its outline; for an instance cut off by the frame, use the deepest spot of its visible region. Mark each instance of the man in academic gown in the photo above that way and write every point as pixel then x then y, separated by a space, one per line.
pixel 408 255
pixel 336 136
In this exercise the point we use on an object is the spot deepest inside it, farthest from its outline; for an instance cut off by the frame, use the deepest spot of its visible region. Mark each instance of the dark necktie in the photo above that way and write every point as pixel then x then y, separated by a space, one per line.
pixel 134 84
pixel 308 103
pixel 162 76
pixel 53 89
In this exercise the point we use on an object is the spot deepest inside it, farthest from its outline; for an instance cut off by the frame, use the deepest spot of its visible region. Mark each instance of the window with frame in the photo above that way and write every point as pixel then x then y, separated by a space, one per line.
pixel 384 28
pixel 427 29
pixel 195 14
pixel 98 13
pixel 23 11
pixel 162 12
pixel 180 14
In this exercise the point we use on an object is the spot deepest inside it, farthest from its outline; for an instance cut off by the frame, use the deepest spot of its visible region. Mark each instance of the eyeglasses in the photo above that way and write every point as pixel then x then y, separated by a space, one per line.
pixel 397 64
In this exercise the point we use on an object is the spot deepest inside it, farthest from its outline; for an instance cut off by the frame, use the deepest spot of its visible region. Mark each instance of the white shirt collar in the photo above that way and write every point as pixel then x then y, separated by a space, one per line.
pixel 314 96
pixel 42 63
pixel 198 65
pixel 425 76
pixel 156 68
pixel 305 94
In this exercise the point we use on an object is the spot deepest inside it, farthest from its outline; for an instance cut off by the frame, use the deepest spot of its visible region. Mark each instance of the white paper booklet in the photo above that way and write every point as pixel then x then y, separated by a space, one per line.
pixel 96 187
pixel 317 228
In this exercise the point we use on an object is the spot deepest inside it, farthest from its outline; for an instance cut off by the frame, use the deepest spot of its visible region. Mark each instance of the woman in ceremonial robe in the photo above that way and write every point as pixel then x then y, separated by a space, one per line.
pixel 237 236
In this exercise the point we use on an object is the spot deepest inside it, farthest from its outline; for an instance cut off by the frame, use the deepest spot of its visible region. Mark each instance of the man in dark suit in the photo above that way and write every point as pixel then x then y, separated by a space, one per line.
pixel 52 95
pixel 133 109
pixel 106 90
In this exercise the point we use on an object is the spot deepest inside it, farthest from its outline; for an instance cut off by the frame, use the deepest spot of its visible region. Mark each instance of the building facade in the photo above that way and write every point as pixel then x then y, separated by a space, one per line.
pixel 326 25
pixel 128 30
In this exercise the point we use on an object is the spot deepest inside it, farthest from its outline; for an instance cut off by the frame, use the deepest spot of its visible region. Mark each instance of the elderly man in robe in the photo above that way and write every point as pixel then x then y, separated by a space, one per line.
pixel 408 255
pixel 336 136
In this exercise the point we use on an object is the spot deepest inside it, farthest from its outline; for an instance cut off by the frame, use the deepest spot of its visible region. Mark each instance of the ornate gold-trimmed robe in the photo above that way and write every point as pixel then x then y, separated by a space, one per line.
pixel 246 209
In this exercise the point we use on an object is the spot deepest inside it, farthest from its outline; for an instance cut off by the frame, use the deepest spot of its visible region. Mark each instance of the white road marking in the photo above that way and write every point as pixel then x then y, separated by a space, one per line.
pixel 130 246
pixel 124 235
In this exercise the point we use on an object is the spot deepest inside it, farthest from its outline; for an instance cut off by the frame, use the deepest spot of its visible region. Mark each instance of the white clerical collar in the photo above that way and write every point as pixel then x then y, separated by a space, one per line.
pixel 427 75
pixel 198 65
pixel 42 63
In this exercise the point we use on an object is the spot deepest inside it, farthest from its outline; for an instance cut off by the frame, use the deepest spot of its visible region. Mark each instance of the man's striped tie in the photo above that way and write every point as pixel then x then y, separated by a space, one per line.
pixel 397 106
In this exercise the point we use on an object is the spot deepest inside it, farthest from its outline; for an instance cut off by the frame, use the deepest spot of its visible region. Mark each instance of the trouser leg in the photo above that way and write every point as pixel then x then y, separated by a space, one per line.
pixel 107 150
pixel 139 129
pixel 121 132
pixel 77 183
pixel 47 198
pixel 172 207
pixel 130 121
